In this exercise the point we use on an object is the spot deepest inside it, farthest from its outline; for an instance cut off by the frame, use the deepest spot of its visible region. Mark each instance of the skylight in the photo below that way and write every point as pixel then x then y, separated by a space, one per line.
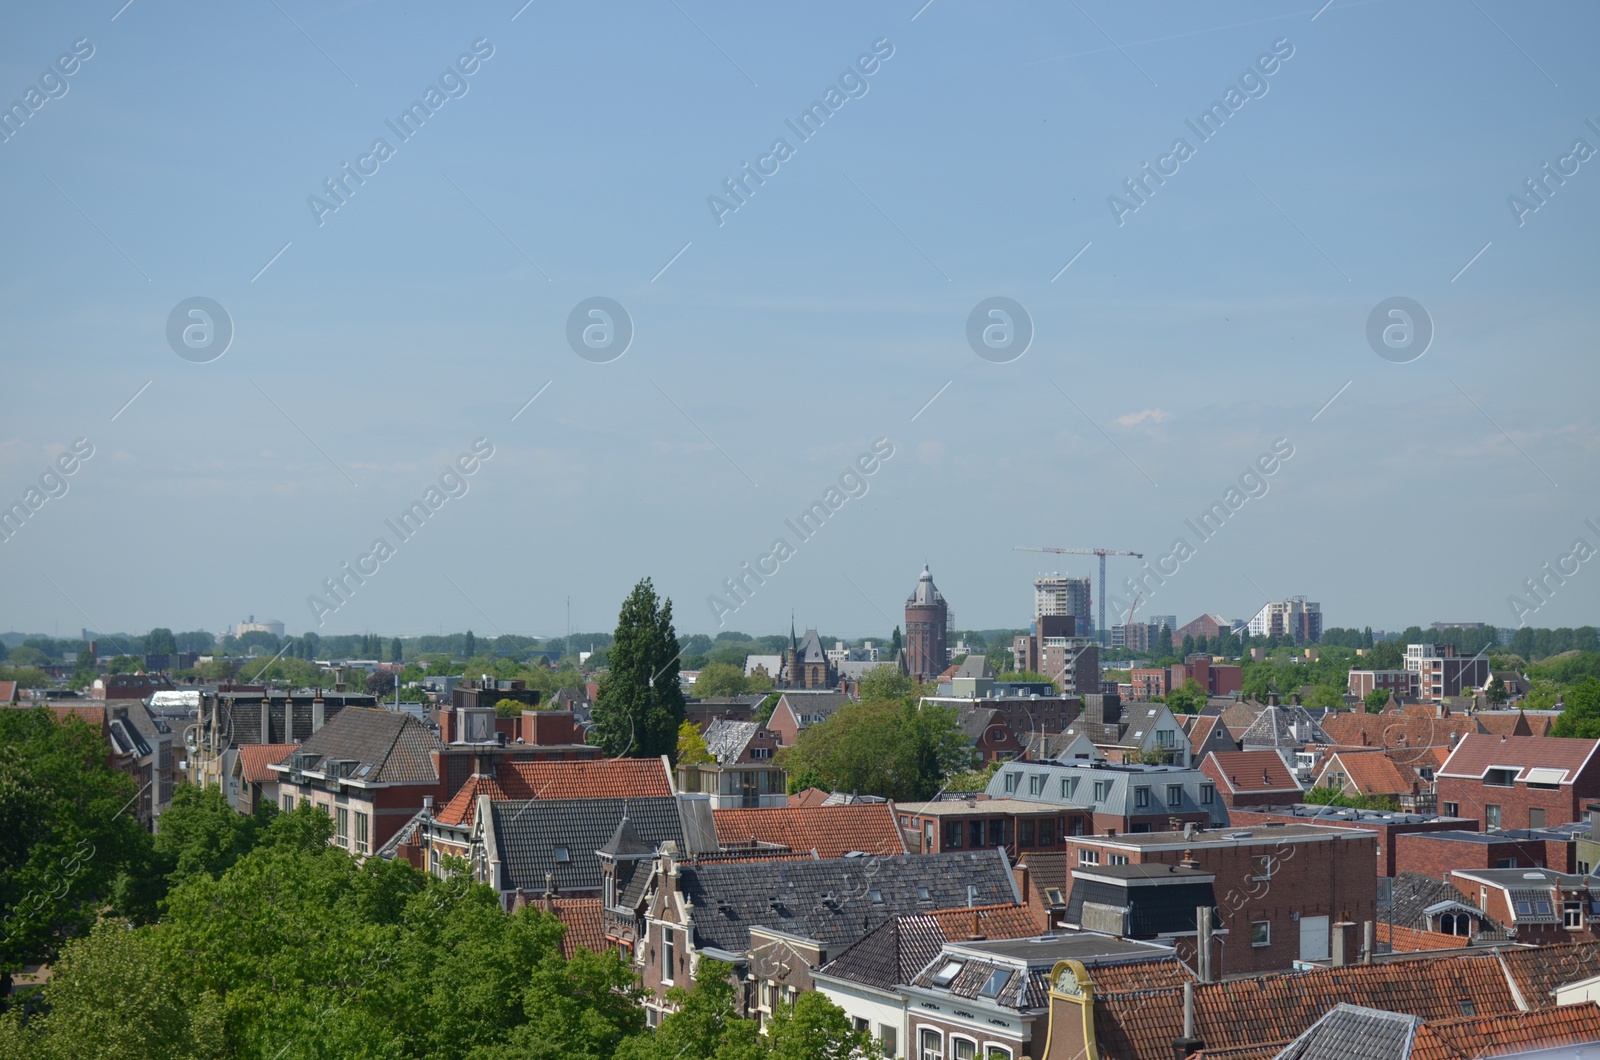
pixel 922 893
pixel 997 982
pixel 563 855
pixel 946 975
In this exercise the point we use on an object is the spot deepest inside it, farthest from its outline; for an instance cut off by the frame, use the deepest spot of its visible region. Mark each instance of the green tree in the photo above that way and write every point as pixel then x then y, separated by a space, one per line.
pixel 884 747
pixel 27 655
pixel 895 644
pixel 1188 645
pixel 202 834
pixel 509 708
pixel 159 641
pixel 67 832
pixel 692 749
pixel 705 1024
pixel 1376 700
pixel 1187 698
pixel 397 651
pixel 1164 642
pixel 883 683
pixel 815 1028
pixel 640 704
pixel 1582 714
pixel 1325 696
pixel 470 645
pixel 719 679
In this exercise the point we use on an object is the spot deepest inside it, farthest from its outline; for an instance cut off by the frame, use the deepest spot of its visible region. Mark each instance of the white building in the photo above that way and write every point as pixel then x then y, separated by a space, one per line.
pixel 250 625
pixel 1057 594
pixel 1295 619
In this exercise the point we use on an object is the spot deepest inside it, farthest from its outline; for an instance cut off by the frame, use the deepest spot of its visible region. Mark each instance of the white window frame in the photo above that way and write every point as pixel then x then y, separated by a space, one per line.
pixel 969 1039
pixel 923 1030
pixel 1267 941
pixel 990 1048
pixel 1088 857
pixel 669 955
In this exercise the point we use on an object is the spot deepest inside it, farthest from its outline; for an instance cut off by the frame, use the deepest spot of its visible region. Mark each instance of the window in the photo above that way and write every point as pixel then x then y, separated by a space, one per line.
pixel 1088 857
pixel 669 953
pixel 975 834
pixel 1116 859
pixel 1174 794
pixel 996 1052
pixel 1141 797
pixel 962 1048
pixel 1451 809
pixel 1068 786
pixel 341 824
pixel 563 855
pixel 947 974
pixel 1011 787
pixel 1583 868
pixel 1491 817
pixel 288 803
pixel 1261 867
pixel 1102 788
pixel 1572 915
pixel 997 982
pixel 1466 1006
pixel 952 835
pixel 1542 907
pixel 1047 832
pixel 932 1045
pixel 997 833
pixel 927 837
pixel 859 1023
pixel 1054 896
pixel 1261 933
pixel 922 894
pixel 1524 908
pixel 361 832
pixel 1025 833
pixel 1208 794
pixel 757 753
pixel 886 1038
pixel 1036 784
pixel 1536 818
pixel 1501 778
pixel 877 898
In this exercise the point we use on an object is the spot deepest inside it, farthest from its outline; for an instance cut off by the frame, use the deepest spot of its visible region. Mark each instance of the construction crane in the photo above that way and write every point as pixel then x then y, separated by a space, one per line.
pixel 1102 553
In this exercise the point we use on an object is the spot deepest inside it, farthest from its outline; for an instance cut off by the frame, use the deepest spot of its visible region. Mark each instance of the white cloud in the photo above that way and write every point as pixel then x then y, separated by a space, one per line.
pixel 1133 419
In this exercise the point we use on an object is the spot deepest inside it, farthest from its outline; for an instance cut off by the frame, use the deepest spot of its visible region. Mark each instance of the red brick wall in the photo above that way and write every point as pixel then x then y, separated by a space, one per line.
pixel 1387 834
pixel 1420 852
pixel 1561 806
pixel 1330 877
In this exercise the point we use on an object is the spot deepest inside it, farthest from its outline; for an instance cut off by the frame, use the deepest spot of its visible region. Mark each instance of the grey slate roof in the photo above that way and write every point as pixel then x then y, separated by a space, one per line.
pixel 394 745
pixel 1415 894
pixel 891 953
pixel 1348 1031
pixel 833 901
pixel 812 707
pixel 811 649
pixel 975 666
pixel 1279 727
pixel 1120 783
pixel 726 740
pixel 974 723
pixel 925 592
pixel 529 835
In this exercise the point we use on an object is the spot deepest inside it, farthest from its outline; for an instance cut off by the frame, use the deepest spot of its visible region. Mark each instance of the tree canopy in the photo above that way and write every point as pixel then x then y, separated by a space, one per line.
pixel 889 747
pixel 640 705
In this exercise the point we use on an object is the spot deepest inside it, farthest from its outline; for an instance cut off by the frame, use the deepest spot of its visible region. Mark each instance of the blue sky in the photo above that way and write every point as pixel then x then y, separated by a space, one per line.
pixel 826 312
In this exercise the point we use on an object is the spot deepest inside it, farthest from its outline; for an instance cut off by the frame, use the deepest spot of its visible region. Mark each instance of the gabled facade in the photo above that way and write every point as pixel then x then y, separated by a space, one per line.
pixel 1519 781
pixel 796 710
pixel 742 773
pixel 1118 798
pixel 1251 778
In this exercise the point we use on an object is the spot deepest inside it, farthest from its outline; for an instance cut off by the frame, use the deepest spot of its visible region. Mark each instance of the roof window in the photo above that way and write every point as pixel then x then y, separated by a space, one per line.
pixel 946 975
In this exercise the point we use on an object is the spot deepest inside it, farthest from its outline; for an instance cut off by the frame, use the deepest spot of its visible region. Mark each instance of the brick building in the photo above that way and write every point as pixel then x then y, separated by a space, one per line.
pixel 1118 797
pixel 1439 853
pixel 1389 825
pixel 1280 889
pixel 927 622
pixel 1251 778
pixel 1541 906
pixel 1215 679
pixel 1015 825
pixel 1519 781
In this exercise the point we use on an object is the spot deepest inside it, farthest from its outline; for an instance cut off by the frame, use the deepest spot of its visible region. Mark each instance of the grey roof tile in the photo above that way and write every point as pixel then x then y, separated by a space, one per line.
pixel 561 836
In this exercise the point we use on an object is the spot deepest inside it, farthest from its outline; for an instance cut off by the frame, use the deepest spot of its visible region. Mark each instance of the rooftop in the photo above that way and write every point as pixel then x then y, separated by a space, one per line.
pixel 1222 837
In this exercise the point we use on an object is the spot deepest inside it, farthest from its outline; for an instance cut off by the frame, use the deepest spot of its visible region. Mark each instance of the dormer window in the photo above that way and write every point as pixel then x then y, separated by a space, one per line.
pixel 1501 777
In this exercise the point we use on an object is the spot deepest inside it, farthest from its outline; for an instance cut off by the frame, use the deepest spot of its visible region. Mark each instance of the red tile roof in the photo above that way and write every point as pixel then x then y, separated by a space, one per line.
pixel 1539 970
pixel 832 831
pixel 1467 1039
pixel 1474 755
pixel 1393 730
pixel 602 778
pixel 993 922
pixel 808 797
pixel 254 758
pixel 460 809
pixel 585 926
pixel 1402 939
pixel 1503 723
pixel 1249 771
pixel 1247 1012
pixel 94 717
pixel 1366 773
pixel 8 692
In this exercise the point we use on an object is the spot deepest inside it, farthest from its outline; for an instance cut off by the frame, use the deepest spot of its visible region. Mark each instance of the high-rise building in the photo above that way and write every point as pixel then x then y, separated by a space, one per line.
pixel 1057 594
pixel 927 629
pixel 1294 619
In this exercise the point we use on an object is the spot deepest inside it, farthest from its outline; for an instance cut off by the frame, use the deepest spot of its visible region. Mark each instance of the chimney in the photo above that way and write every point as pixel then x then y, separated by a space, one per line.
pixel 976 935
pixel 1188 1044
pixel 1367 942
pixel 1174 824
pixel 1344 943
pixel 427 804
pixel 972 895
pixel 1203 943
pixel 1188 861
pixel 548 903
